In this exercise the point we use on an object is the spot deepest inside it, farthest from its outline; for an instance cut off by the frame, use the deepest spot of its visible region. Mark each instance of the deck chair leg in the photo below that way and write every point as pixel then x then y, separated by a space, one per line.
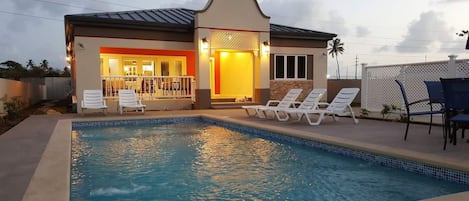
pixel 320 118
pixel 247 112
pixel 355 120
pixel 277 114
pixel 430 127
pixel 407 128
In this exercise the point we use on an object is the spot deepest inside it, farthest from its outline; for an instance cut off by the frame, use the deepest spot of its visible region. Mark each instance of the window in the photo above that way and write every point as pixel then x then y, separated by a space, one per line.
pixel 148 67
pixel 290 67
pixel 164 68
pixel 130 67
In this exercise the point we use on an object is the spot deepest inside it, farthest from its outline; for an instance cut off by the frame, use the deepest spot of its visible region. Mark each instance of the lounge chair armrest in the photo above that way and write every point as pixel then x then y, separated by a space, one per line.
pixel 104 103
pixel 272 101
pixel 294 104
pixel 420 101
pixel 322 103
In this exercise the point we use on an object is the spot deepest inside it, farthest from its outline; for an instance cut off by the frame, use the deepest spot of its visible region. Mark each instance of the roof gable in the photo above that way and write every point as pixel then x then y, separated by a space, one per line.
pixel 236 15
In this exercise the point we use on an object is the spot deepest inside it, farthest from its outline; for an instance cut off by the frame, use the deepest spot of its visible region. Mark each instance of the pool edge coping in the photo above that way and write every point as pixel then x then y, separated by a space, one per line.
pixel 58 187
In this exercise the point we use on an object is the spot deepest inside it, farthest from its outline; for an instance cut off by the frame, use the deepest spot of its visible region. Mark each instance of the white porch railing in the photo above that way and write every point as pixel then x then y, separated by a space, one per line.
pixel 149 87
pixel 379 87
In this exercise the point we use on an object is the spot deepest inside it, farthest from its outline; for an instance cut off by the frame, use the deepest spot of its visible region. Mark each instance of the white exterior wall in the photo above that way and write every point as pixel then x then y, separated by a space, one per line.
pixel 319 61
pixel 88 59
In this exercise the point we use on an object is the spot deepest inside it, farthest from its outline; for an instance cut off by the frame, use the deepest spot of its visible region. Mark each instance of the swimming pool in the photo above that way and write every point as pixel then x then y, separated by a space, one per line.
pixel 193 159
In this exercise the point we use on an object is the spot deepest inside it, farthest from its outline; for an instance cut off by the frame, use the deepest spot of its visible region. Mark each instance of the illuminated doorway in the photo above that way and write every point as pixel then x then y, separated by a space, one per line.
pixel 232 75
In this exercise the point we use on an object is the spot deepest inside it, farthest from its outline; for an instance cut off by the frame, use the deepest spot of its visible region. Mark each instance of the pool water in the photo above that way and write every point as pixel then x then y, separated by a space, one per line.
pixel 200 161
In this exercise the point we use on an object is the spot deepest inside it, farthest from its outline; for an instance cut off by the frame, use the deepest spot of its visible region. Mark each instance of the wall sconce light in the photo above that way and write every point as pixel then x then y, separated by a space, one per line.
pixel 266 47
pixel 68 59
pixel 204 44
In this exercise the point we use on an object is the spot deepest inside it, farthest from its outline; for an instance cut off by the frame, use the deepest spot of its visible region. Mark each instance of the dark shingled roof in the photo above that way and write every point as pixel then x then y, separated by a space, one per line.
pixel 182 18
pixel 179 16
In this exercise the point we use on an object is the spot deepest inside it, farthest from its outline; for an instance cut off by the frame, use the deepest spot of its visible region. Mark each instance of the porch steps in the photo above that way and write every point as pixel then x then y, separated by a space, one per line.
pixel 230 105
pixel 223 100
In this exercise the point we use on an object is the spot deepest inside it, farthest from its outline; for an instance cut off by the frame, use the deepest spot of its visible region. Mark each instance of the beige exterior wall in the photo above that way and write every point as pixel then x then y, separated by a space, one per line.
pixel 27 93
pixel 88 59
pixel 242 15
pixel 247 21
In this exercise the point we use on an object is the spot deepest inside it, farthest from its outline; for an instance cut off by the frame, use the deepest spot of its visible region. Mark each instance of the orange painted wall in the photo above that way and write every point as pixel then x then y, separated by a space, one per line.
pixel 217 72
pixel 190 55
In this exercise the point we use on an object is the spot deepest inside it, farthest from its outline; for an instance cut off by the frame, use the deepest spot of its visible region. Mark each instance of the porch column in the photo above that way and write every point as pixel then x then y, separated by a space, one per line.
pixel 202 92
pixel 452 71
pixel 262 72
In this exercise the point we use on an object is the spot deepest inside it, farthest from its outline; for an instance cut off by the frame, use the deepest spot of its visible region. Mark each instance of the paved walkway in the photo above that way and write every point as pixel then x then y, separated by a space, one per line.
pixel 21 147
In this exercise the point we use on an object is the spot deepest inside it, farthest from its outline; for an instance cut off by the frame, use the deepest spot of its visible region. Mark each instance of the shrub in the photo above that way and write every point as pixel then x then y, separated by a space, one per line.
pixel 12 107
pixel 387 109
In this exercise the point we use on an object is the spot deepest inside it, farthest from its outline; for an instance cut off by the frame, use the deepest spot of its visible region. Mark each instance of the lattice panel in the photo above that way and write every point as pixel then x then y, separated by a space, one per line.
pixel 234 40
pixel 462 68
pixel 380 87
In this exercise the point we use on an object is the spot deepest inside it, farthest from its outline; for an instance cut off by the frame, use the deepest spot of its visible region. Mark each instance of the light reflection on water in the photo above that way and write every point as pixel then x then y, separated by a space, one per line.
pixel 205 162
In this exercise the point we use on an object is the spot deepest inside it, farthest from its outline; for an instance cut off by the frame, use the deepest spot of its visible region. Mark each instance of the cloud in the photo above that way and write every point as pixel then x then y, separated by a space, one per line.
pixel 451 1
pixel 362 31
pixel 426 34
pixel 190 4
pixel 50 8
pixel 385 48
pixel 336 24
pixel 276 9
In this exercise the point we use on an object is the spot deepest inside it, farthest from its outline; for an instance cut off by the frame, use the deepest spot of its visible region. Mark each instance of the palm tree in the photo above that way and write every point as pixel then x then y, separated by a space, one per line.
pixel 336 48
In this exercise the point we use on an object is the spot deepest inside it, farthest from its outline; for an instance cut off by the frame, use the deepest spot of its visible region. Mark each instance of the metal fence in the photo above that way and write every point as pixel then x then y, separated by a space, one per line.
pixel 379 87
pixel 150 87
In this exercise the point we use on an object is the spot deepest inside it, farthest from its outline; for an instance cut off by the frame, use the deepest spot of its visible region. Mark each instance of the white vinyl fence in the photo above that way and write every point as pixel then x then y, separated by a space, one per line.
pixel 379 86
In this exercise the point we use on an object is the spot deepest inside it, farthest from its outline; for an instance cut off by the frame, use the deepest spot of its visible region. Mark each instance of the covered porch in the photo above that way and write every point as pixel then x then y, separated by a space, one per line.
pixel 157 92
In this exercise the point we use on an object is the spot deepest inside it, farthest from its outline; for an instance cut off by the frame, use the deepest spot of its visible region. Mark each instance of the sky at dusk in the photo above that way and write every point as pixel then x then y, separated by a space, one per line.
pixel 376 32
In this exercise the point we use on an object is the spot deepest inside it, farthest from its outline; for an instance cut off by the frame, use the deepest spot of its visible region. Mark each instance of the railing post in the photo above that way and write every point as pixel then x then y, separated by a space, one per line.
pixel 364 86
pixel 452 71
pixel 193 83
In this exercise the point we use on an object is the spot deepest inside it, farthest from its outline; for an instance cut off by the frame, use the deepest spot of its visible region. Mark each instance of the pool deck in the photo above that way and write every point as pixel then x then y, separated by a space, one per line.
pixel 22 147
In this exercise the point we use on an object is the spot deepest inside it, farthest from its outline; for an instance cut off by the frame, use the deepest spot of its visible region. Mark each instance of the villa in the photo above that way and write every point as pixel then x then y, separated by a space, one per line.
pixel 179 58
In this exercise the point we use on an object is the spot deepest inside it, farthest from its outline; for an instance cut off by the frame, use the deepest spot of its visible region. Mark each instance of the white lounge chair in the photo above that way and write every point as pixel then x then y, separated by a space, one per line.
pixel 309 103
pixel 340 106
pixel 93 99
pixel 128 99
pixel 287 101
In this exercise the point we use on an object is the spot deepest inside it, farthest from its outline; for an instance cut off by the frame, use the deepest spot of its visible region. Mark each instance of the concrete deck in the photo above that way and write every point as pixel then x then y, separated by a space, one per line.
pixel 22 147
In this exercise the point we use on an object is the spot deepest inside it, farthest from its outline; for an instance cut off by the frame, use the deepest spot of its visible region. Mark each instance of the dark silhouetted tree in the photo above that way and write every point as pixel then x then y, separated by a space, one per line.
pixel 13 70
pixel 335 48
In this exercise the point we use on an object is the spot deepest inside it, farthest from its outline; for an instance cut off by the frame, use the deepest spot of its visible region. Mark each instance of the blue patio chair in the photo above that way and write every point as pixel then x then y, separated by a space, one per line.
pixel 456 92
pixel 409 104
pixel 435 96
